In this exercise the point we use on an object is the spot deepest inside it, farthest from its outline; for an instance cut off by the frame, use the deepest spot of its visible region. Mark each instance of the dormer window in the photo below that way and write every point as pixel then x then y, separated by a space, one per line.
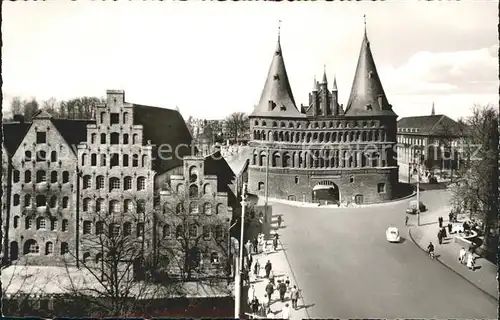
pixel 277 52
pixel 41 137
pixel 276 77
pixel 368 107
pixel 283 108
pixel 370 74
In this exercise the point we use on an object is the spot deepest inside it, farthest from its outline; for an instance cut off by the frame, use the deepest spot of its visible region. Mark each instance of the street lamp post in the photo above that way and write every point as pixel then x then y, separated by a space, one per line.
pixel 418 187
pixel 239 263
pixel 267 182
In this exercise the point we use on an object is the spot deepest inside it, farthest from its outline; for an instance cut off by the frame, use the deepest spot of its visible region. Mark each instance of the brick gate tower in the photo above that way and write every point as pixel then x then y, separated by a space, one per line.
pixel 321 152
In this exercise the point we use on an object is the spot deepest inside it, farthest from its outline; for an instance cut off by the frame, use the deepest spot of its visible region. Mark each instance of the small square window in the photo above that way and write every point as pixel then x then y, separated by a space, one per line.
pixel 41 137
pixel 381 188
pixel 114 118
pixel 351 179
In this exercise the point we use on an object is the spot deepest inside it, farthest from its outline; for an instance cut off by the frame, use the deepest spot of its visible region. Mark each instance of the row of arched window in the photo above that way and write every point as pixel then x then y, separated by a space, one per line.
pixel 41 223
pixel 114 183
pixel 114 160
pixel 40 156
pixel 114 138
pixel 40 176
pixel 41 201
pixel 193 189
pixel 114 206
pixel 114 229
pixel 321 159
pixel 319 124
pixel 114 118
pixel 320 137
pixel 194 208
pixel 207 232
pixel 31 247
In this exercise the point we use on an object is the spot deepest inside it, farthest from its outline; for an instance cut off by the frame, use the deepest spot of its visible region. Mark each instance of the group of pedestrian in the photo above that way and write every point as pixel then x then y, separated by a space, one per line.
pixel 466 257
pixel 441 235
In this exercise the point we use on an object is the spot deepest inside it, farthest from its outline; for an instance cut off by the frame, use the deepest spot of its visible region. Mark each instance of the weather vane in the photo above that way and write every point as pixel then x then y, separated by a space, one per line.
pixel 279 27
pixel 364 19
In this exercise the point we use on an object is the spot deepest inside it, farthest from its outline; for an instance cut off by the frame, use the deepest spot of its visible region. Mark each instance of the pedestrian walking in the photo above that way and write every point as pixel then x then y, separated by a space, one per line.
pixel 470 261
pixel 461 255
pixel 247 247
pixel 263 306
pixel 255 245
pixel 255 305
pixel 294 295
pixel 256 269
pixel 443 230
pixel 246 279
pixel 287 283
pixel 251 294
pixel 271 277
pixel 440 220
pixel 285 312
pixel 406 220
pixel 282 290
pixel 275 244
pixel 440 237
pixel 269 292
pixel 280 220
pixel 249 262
pixel 450 216
pixel 450 228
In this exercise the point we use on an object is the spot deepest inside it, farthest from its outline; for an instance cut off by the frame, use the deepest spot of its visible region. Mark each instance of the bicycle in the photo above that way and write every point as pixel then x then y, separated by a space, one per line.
pixel 431 254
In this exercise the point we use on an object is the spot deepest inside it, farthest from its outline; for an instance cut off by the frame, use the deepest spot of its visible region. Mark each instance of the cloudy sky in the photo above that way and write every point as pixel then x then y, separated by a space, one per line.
pixel 211 58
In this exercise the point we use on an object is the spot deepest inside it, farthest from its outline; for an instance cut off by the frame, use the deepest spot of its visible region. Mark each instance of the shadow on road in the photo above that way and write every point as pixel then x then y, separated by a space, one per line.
pixel 402 239
pixel 306 306
pixel 428 223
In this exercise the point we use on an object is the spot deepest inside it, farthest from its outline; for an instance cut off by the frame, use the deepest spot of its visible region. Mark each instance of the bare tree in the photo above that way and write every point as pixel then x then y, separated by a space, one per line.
pixel 49 106
pixel 237 125
pixel 115 262
pixel 30 109
pixel 193 243
pixel 475 189
pixel 79 108
pixel 190 125
pixel 16 106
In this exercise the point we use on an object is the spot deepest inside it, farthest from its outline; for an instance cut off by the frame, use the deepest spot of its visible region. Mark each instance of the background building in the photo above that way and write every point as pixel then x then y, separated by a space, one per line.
pixel 434 138
pixel 323 152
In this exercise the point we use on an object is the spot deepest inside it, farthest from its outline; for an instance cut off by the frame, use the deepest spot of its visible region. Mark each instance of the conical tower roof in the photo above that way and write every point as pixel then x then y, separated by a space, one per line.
pixel 324 80
pixel 433 111
pixel 334 88
pixel 367 94
pixel 315 85
pixel 277 99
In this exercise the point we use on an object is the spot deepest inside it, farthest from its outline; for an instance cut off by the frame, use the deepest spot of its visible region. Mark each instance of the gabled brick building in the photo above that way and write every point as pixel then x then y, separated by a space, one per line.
pixel 323 152
pixel 41 220
pixel 67 181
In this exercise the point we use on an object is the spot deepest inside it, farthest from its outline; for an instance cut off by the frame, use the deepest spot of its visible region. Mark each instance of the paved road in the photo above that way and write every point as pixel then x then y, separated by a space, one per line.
pixel 347 269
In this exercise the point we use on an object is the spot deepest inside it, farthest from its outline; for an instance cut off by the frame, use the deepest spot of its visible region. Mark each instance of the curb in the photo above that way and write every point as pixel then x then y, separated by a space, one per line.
pixel 299 204
pixel 450 268
pixel 295 279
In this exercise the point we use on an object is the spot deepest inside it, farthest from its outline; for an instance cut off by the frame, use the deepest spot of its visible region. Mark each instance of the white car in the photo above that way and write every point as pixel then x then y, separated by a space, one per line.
pixel 392 234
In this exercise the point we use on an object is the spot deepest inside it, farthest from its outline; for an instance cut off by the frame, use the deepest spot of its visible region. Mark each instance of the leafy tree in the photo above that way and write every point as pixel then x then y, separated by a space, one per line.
pixel 237 126
pixel 476 184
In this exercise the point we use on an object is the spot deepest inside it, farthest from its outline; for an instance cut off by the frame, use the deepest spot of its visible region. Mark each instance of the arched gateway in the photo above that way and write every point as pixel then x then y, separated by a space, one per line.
pixel 326 191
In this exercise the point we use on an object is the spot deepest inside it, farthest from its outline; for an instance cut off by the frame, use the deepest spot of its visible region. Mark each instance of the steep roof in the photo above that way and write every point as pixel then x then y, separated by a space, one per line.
pixel 12 135
pixel 277 99
pixel 165 128
pixel 73 131
pixel 430 125
pixel 367 94
pixel 334 88
pixel 215 164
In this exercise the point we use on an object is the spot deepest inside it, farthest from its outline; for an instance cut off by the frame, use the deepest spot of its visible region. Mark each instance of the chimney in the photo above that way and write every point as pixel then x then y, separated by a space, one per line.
pixel 19 118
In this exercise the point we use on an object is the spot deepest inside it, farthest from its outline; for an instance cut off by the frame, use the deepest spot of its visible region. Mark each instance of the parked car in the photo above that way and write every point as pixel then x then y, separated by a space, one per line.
pixel 392 234
pixel 412 207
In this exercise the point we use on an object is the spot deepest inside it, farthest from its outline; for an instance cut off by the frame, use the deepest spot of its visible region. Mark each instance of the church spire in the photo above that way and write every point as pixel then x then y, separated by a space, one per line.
pixel 433 111
pixel 367 94
pixel 277 98
pixel 324 81
pixel 334 88
pixel 315 85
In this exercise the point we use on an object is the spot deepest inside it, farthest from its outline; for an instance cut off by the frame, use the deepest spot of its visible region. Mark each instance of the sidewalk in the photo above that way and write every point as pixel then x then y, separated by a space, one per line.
pixel 485 275
pixel 281 269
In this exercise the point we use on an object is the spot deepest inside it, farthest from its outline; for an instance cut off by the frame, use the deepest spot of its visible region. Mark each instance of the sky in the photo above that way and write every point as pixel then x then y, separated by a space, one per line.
pixel 211 58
